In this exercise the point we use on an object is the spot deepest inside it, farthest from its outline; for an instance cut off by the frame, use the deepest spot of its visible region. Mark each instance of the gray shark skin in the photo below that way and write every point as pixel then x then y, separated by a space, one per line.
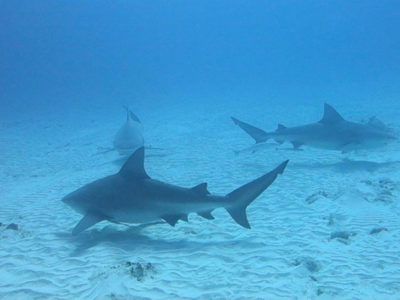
pixel 131 196
pixel 332 132
pixel 130 136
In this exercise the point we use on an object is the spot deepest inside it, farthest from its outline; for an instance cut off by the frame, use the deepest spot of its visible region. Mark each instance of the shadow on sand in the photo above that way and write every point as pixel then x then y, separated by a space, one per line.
pixel 349 165
pixel 132 239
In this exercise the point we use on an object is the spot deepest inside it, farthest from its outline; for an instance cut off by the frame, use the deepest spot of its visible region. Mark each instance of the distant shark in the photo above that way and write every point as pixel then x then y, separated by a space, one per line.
pixel 130 136
pixel 131 196
pixel 332 132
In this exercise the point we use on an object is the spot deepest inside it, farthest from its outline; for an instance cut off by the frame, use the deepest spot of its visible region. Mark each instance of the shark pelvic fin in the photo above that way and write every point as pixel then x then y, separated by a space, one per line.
pixel 201 189
pixel 206 215
pixel 87 221
pixel 134 166
pixel 331 116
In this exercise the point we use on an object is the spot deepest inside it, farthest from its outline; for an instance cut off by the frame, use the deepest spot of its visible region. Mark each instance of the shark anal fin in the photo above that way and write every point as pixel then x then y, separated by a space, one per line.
pixel 134 166
pixel 201 189
pixel 171 219
pixel 87 221
pixel 206 215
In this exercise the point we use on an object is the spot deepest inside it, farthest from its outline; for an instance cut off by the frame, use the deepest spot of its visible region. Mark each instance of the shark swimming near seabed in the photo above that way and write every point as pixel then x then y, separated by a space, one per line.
pixel 131 196
pixel 332 132
pixel 130 136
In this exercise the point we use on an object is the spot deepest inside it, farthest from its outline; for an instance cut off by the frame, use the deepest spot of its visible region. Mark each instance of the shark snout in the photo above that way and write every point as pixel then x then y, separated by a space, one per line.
pixel 71 198
pixel 67 199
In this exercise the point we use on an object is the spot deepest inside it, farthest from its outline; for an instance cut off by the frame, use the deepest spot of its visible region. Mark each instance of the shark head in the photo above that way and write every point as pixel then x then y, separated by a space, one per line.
pixel 78 200
pixel 86 198
pixel 356 136
pixel 377 138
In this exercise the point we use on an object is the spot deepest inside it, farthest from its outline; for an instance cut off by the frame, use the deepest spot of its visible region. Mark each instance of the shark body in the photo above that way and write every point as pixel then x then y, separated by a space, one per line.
pixel 332 132
pixel 131 196
pixel 130 136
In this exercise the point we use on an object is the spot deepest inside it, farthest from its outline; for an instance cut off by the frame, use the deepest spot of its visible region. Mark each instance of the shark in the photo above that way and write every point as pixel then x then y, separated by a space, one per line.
pixel 332 132
pixel 132 196
pixel 130 136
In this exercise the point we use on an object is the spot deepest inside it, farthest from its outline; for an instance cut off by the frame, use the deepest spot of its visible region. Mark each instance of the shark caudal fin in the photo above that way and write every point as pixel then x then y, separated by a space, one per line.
pixel 257 134
pixel 246 194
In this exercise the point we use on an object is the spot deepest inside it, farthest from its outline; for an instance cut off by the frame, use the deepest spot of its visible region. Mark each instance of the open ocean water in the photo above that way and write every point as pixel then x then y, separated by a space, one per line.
pixel 327 228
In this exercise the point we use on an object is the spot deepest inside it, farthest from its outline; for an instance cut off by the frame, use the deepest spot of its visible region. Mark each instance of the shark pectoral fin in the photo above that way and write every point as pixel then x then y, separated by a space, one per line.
pixel 201 189
pixel 206 215
pixel 87 221
pixel 171 219
pixel 296 145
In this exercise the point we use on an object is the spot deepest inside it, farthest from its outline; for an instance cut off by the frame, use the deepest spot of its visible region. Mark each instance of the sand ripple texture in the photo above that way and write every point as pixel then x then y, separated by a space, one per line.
pixel 316 233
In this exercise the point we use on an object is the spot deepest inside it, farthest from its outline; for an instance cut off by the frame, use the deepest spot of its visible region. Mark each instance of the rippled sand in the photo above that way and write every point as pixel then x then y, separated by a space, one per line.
pixel 311 231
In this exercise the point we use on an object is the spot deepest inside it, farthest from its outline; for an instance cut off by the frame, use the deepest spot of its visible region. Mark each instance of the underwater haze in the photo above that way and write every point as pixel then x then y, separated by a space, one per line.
pixel 85 84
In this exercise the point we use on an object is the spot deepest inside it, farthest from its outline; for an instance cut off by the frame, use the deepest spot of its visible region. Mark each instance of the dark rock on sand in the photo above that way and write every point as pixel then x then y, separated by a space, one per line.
pixel 12 226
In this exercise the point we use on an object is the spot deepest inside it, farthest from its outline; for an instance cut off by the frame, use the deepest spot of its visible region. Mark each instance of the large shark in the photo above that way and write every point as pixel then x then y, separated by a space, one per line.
pixel 332 132
pixel 131 196
pixel 130 136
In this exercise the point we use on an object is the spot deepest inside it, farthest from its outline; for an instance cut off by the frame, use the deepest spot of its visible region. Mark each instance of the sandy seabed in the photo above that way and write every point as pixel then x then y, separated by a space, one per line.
pixel 327 228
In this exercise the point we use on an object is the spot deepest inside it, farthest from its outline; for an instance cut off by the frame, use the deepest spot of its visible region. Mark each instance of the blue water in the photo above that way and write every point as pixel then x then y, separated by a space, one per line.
pixel 185 67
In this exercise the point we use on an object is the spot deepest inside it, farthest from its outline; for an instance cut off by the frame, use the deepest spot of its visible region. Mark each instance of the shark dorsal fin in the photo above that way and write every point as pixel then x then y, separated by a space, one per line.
pixel 131 116
pixel 281 127
pixel 134 117
pixel 201 189
pixel 331 116
pixel 134 166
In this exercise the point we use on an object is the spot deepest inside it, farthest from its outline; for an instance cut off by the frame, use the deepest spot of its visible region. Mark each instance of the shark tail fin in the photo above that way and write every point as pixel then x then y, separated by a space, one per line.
pixel 246 194
pixel 259 135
